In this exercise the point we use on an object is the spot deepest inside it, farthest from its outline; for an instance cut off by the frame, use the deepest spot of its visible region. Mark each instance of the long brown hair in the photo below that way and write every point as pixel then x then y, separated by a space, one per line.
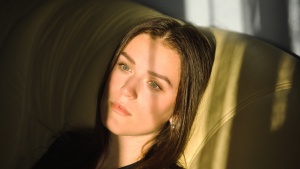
pixel 197 56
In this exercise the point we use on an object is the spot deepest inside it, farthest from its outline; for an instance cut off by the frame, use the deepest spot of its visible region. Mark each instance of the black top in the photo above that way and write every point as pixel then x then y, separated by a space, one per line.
pixel 71 151
pixel 131 166
pixel 74 151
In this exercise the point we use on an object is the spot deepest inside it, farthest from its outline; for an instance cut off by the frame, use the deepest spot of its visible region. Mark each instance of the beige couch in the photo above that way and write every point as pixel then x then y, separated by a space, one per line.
pixel 53 57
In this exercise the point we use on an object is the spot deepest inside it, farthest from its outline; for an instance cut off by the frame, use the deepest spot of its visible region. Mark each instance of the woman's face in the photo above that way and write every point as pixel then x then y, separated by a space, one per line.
pixel 140 96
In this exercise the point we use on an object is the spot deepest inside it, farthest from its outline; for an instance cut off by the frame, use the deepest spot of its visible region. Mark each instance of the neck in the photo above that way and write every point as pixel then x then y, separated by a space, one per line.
pixel 125 150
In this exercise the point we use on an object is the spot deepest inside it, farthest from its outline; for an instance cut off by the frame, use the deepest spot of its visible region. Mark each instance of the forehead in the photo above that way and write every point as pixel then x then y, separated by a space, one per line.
pixel 145 43
pixel 154 55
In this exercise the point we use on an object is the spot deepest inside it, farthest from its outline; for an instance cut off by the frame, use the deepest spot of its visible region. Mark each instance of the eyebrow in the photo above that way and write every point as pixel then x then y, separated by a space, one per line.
pixel 128 57
pixel 161 77
pixel 150 72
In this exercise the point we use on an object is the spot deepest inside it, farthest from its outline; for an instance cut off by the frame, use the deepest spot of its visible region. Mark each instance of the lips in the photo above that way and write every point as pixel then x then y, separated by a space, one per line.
pixel 119 109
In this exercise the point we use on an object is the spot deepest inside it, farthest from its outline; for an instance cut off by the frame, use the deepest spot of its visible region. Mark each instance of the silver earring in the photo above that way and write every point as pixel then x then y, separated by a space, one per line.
pixel 172 125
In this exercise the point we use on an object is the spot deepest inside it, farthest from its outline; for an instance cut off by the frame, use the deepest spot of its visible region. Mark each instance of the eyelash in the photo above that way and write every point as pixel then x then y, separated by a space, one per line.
pixel 157 86
pixel 122 65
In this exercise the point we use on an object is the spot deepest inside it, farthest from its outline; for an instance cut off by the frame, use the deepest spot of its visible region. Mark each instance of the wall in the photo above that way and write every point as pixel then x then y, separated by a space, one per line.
pixel 277 22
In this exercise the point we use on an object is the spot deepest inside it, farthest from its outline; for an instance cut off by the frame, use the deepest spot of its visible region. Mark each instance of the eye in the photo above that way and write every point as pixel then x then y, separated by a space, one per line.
pixel 154 85
pixel 124 67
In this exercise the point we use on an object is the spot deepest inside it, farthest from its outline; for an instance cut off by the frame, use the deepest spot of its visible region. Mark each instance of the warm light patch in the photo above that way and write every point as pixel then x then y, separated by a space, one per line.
pixel 285 74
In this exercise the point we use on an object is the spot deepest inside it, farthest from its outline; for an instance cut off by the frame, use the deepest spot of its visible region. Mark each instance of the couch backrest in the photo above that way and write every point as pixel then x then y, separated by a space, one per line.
pixel 250 114
pixel 53 58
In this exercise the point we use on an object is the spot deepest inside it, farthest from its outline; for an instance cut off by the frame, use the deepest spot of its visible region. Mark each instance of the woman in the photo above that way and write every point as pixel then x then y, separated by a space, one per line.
pixel 146 110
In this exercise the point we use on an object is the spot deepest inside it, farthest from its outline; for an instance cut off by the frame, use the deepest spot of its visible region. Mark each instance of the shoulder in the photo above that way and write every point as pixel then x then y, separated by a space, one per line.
pixel 70 150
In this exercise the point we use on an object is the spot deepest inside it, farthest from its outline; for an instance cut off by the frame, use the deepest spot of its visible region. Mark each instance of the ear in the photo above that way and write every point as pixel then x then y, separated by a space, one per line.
pixel 172 119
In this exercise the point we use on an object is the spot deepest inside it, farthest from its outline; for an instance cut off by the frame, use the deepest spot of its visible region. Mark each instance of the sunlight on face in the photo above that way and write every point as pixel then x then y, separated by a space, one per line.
pixel 142 89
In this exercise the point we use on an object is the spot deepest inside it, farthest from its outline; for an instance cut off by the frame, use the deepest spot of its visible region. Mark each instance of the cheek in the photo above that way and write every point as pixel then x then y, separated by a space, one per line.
pixel 113 79
pixel 159 109
pixel 115 82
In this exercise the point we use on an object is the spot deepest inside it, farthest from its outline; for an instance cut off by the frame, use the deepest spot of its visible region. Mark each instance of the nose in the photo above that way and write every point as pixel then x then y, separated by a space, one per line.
pixel 129 88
